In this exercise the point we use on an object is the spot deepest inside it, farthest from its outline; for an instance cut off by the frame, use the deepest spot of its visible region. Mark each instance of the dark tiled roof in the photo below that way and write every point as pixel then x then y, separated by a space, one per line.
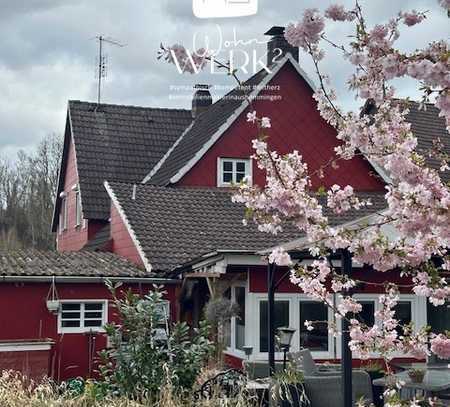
pixel 428 127
pixel 120 143
pixel 101 239
pixel 177 225
pixel 70 264
pixel 204 127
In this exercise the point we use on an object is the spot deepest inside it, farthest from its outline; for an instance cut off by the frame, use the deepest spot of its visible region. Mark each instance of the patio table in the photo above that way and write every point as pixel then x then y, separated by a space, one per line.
pixel 435 380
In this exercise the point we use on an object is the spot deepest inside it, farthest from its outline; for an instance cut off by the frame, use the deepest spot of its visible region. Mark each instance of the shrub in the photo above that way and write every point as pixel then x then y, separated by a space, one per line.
pixel 144 344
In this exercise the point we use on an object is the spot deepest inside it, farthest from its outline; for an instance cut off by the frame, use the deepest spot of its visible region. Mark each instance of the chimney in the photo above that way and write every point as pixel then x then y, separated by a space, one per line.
pixel 278 47
pixel 202 100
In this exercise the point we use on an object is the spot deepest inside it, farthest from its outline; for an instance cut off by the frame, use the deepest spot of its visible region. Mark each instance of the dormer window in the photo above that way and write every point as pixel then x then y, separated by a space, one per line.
pixel 233 171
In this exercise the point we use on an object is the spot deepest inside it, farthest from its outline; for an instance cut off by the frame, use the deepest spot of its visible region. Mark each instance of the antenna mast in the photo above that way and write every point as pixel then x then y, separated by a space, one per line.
pixel 102 61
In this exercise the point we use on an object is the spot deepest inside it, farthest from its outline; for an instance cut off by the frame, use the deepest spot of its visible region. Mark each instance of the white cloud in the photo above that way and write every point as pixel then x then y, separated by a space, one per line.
pixel 48 55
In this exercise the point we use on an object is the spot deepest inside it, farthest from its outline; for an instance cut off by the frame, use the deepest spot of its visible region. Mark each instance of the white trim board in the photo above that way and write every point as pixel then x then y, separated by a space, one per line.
pixel 25 346
pixel 166 155
pixel 127 224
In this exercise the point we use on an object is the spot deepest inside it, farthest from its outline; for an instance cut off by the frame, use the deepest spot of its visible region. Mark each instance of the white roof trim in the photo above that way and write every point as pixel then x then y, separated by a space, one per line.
pixel 302 243
pixel 228 123
pixel 166 155
pixel 124 218
pixel 380 170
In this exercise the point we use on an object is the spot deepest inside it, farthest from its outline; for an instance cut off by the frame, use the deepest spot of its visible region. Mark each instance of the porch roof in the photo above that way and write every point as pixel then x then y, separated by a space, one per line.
pixel 175 226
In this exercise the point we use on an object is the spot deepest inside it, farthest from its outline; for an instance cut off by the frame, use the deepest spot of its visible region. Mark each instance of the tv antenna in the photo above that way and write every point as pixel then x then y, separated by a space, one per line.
pixel 102 62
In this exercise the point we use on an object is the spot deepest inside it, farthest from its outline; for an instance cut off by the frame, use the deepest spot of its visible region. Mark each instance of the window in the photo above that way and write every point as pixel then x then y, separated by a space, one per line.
pixel 63 214
pixel 78 212
pixel 367 314
pixel 281 311
pixel 227 325
pixel 403 313
pixel 82 316
pixel 234 329
pixel 317 339
pixel 439 317
pixel 240 320
pixel 232 171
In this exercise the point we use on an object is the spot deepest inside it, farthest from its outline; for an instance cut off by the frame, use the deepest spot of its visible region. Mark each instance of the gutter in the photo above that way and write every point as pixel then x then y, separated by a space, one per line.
pixel 79 279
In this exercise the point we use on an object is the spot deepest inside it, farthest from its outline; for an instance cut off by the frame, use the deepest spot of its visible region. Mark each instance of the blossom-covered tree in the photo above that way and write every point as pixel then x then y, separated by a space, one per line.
pixel 417 200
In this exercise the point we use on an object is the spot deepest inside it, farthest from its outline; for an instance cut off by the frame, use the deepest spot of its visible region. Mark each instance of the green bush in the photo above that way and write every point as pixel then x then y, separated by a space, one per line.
pixel 144 349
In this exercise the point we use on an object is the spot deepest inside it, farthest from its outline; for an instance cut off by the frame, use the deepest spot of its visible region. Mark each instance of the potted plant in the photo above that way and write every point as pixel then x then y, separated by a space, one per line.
pixel 416 375
pixel 53 306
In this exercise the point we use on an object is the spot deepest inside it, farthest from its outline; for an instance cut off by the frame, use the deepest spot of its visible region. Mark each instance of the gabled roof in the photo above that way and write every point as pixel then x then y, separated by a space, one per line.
pixel 428 127
pixel 211 124
pixel 174 226
pixel 116 142
pixel 26 263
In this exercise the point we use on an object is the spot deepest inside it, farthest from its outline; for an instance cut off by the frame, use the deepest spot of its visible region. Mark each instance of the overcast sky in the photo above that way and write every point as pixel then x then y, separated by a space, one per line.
pixel 48 54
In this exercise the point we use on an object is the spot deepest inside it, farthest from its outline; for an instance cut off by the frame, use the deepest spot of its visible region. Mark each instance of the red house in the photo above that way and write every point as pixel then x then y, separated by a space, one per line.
pixel 152 187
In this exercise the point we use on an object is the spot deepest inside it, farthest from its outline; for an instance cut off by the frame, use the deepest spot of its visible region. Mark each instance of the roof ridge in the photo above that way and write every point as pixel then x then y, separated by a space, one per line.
pixel 129 106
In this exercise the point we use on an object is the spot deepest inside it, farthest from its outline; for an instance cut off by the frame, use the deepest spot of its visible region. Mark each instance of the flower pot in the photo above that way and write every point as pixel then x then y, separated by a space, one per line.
pixel 53 305
pixel 416 377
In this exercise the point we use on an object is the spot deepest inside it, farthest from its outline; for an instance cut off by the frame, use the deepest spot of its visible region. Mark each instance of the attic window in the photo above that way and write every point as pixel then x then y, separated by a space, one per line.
pixel 233 171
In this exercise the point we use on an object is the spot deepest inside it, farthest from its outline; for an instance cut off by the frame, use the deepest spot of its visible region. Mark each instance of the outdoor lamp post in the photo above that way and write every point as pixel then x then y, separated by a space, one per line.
pixel 248 350
pixel 285 335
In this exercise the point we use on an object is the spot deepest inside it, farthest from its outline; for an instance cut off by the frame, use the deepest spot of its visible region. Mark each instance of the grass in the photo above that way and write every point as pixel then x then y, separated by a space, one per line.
pixel 17 391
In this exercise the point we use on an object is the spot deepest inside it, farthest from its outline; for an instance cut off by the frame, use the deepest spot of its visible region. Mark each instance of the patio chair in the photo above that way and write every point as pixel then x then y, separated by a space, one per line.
pixel 304 361
pixel 323 384
pixel 326 391
pixel 434 362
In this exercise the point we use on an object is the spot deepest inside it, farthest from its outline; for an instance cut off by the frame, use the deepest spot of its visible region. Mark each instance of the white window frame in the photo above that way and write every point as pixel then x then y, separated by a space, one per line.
pixel 78 209
pixel 252 328
pixel 63 214
pixel 248 170
pixel 232 349
pixel 418 314
pixel 317 354
pixel 82 328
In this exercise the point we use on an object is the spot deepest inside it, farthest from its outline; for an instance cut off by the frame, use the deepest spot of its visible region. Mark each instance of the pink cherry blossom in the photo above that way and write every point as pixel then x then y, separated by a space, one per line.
pixel 412 18
pixel 440 345
pixel 265 122
pixel 252 117
pixel 445 4
pixel 337 12
pixel 280 257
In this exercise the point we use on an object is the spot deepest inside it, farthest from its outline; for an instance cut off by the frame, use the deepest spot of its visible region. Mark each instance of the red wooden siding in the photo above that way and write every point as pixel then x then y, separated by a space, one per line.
pixel 296 125
pixel 35 364
pixel 122 244
pixel 258 281
pixel 74 237
pixel 30 320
